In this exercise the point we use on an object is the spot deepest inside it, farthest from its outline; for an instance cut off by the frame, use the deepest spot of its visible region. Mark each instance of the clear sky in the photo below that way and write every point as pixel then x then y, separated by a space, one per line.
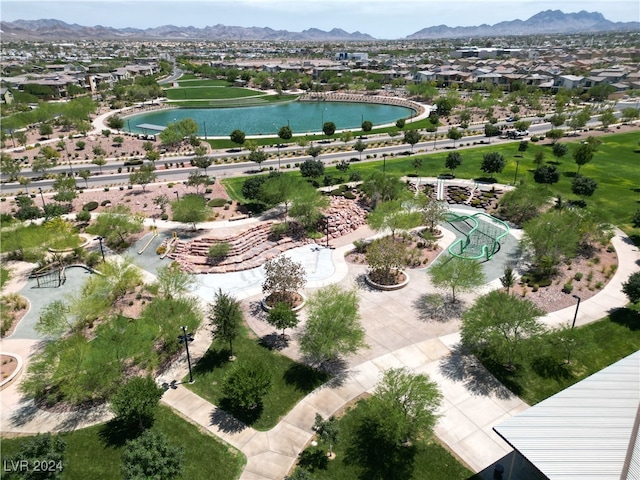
pixel 384 19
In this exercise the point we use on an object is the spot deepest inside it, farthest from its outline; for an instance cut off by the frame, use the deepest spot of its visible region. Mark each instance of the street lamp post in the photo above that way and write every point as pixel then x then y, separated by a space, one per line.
pixel 100 239
pixel 515 178
pixel 41 196
pixel 186 338
pixel 575 315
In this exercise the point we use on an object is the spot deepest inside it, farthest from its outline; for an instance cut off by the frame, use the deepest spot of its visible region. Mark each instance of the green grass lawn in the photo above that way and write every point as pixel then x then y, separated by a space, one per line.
pixel 5 274
pixel 544 371
pixel 210 93
pixel 200 82
pixel 291 381
pixel 615 167
pixel 35 236
pixel 360 454
pixel 95 452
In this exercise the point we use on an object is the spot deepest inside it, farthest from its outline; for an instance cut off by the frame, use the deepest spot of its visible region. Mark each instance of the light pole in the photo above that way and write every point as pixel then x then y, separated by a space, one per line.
pixel 186 338
pixel 515 178
pixel 41 196
pixel 100 239
pixel 575 314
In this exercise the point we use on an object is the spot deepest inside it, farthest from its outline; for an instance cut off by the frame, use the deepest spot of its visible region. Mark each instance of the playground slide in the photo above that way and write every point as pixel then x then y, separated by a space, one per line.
pixel 483 235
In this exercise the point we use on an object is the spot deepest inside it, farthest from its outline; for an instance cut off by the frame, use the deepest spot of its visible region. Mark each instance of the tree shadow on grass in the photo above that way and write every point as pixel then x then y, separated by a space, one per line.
pixel 626 317
pixel 313 460
pixel 246 416
pixel 380 457
pixel 495 379
pixel 304 378
pixel 115 433
pixel 274 341
pixel 550 368
pixel 211 360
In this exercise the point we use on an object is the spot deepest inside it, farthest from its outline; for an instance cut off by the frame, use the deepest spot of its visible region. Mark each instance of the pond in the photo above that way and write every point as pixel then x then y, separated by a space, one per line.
pixel 302 117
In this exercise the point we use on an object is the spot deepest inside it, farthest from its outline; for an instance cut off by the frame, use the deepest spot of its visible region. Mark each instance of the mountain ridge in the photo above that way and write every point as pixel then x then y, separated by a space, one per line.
pixel 544 22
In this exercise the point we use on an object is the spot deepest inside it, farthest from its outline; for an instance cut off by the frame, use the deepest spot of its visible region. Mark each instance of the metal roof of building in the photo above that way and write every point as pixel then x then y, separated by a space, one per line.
pixel 587 431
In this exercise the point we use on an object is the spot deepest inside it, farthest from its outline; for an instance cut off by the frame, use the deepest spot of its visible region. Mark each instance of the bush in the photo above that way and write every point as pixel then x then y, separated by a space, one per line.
pixel 217 202
pixel 568 287
pixel 279 229
pixel 104 203
pixel 218 251
pixel 90 206
pixel 349 195
pixel 161 250
pixel 578 276
pixel 83 216
pixel 164 216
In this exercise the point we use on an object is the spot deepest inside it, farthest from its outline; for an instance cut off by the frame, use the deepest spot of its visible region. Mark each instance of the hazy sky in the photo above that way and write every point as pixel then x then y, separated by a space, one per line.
pixel 385 19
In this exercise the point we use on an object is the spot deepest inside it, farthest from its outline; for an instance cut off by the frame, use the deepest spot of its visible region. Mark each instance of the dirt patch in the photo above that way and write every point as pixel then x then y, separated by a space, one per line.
pixel 587 276
pixel 8 365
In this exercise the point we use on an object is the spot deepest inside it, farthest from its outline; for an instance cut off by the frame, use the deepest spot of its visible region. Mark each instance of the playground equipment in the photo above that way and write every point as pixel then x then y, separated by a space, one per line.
pixel 483 235
pixel 52 275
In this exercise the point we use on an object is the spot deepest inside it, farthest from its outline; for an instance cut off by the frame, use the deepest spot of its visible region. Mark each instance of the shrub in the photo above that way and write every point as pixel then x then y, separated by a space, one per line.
pixel 164 216
pixel 568 287
pixel 133 161
pixel 349 195
pixel 578 276
pixel 90 206
pixel 104 203
pixel 170 185
pixel 208 190
pixel 217 202
pixel 218 251
pixel 279 229
pixel 83 216
pixel 161 250
pixel 599 285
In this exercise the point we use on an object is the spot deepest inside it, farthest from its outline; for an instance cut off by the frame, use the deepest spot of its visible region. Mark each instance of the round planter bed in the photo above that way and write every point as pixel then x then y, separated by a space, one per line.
pixel 378 286
pixel 299 306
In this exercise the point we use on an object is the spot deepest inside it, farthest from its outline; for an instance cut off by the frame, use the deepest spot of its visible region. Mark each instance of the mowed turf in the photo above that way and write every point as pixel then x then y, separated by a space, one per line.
pixel 95 452
pixel 210 93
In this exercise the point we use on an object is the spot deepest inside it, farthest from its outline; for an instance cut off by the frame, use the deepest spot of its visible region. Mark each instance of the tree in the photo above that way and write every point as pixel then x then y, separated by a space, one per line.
pixel 65 188
pixel 607 118
pixel 258 156
pixel 461 274
pixel 546 174
pixel 400 123
pixel 360 147
pixel 307 205
pixel 346 137
pixel 45 130
pixel 115 122
pixel 454 134
pixel 559 150
pixel 144 175
pixel 557 120
pixel 635 221
pixel 196 180
pixel 555 135
pixel 392 216
pixel 202 162
pixel 238 137
pixel 508 278
pixel 283 278
pixel 245 386
pixel 381 188
pixel 10 167
pixel 85 174
pixel 312 168
pixel 385 258
pixel 367 126
pixel 453 161
pixel 432 211
pixel 333 327
pixel 226 317
pixel 583 186
pixel 411 137
pixel 98 151
pixel 54 320
pixel 444 105
pixel 282 316
pixel 490 130
pixel 285 132
pixel 631 288
pixel 314 151
pixel 328 128
pixel 21 137
pixel 406 404
pixel 327 430
pixel 492 162
pixel 523 146
pixel 190 209
pixel 342 166
pixel 173 281
pixel 44 451
pixel 496 324
pixel 552 238
pixel 136 402
pixel 152 457
pixel 40 165
pixel 115 224
pixel 583 154
pixel 630 113
pixel 100 162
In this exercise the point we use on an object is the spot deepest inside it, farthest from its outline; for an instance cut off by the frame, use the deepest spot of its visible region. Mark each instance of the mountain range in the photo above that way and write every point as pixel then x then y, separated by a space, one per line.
pixel 546 22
